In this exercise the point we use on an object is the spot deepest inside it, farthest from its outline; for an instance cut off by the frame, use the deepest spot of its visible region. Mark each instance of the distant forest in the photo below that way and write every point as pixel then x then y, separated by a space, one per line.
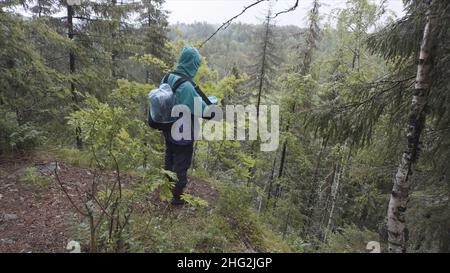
pixel 236 45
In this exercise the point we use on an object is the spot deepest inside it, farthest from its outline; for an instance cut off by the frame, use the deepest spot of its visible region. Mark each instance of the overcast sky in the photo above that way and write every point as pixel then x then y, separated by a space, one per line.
pixel 219 11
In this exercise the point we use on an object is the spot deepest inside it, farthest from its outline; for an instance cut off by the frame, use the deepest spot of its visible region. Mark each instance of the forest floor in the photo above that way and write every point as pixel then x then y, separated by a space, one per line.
pixel 40 220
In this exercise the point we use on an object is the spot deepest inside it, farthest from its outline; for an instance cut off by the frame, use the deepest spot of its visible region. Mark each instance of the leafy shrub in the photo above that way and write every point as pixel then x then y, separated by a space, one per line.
pixel 8 125
pixel 235 206
pixel 26 137
pixel 18 137
pixel 349 239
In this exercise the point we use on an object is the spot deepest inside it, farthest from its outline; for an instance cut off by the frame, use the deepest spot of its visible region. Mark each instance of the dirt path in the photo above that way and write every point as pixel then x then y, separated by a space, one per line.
pixel 34 220
pixel 30 221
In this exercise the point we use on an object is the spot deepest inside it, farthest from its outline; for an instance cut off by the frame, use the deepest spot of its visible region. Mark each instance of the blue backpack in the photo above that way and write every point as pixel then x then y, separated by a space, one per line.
pixel 162 100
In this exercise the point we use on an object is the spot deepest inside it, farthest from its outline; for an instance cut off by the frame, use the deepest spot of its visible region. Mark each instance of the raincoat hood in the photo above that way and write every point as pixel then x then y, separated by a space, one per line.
pixel 189 61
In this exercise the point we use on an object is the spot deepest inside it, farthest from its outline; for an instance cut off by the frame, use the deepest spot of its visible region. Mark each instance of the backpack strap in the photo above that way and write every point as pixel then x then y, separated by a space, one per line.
pixel 197 88
pixel 166 78
pixel 177 84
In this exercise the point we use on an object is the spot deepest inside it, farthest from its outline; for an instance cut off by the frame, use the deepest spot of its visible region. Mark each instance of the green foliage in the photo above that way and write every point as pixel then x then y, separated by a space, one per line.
pixel 74 156
pixel 166 185
pixel 194 201
pixel 151 60
pixel 15 137
pixel 26 137
pixel 349 239
pixel 108 132
pixel 197 229
pixel 234 206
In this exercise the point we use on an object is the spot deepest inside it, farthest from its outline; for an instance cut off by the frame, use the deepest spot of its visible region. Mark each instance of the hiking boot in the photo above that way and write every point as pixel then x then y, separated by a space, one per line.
pixel 178 202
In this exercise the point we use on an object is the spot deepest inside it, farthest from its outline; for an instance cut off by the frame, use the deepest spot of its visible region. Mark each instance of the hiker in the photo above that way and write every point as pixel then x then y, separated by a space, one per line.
pixel 178 154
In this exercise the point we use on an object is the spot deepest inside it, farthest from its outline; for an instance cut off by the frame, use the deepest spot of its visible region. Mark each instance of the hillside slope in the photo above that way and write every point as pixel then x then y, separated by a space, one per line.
pixel 37 216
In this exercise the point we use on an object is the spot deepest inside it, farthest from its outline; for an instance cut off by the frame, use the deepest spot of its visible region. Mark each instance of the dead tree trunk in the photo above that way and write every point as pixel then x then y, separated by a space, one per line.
pixel 267 186
pixel 114 32
pixel 262 73
pixel 272 177
pixel 72 71
pixel 399 196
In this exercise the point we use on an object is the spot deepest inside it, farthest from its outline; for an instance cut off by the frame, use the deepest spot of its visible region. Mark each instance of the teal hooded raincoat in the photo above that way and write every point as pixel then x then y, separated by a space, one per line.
pixel 188 64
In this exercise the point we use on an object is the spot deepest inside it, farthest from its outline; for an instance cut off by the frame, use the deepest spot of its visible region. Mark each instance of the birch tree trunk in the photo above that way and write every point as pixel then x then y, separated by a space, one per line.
pixel 334 195
pixel 399 196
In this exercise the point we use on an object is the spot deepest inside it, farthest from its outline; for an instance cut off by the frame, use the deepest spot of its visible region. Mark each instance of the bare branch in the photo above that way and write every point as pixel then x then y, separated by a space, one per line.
pixel 287 10
pixel 228 23
pixel 67 193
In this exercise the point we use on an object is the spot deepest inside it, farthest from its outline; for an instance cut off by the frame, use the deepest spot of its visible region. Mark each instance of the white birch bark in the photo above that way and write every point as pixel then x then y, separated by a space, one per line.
pixel 399 196
pixel 334 194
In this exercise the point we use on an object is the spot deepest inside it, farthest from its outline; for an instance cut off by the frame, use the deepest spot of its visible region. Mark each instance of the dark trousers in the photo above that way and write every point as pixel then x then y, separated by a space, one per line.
pixel 178 159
